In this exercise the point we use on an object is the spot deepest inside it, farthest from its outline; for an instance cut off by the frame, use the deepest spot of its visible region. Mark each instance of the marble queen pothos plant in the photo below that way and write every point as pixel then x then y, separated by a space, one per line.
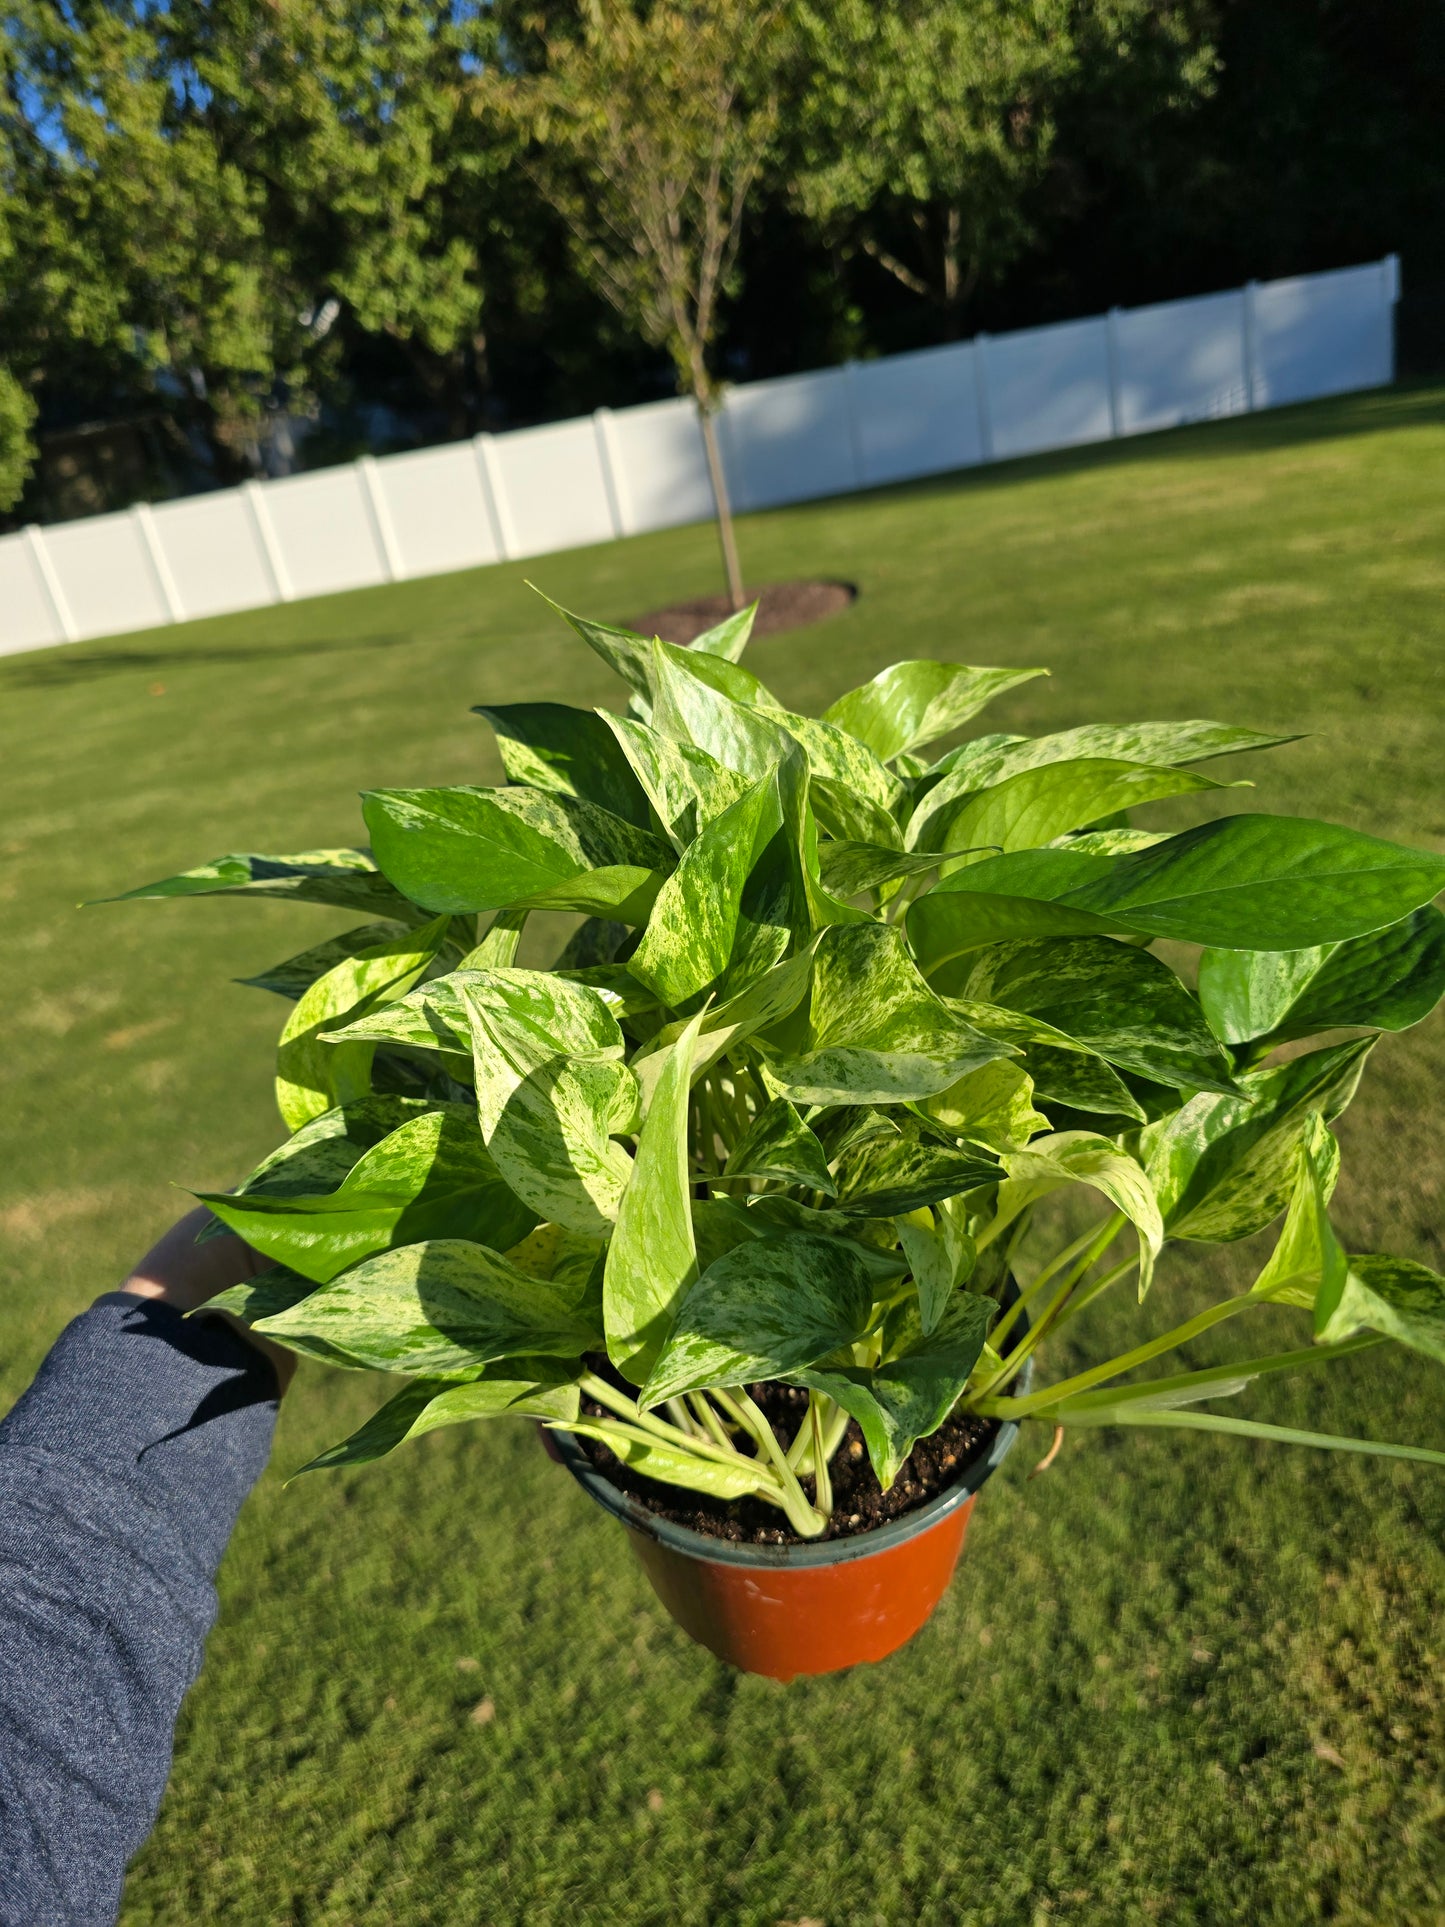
pixel 838 1017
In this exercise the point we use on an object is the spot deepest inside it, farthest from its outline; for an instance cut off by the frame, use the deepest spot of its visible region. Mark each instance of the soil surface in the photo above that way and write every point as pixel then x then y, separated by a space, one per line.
pixel 781 605
pixel 859 1502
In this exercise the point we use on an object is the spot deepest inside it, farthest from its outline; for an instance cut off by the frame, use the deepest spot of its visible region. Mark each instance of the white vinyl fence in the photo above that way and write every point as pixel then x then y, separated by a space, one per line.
pixel 537 490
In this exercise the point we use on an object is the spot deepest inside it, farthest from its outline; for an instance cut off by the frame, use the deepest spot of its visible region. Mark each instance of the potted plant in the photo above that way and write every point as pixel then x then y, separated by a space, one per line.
pixel 733 1198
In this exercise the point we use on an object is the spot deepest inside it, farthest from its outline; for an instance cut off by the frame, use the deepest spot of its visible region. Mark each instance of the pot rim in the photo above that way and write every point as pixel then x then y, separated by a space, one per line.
pixel 978 1467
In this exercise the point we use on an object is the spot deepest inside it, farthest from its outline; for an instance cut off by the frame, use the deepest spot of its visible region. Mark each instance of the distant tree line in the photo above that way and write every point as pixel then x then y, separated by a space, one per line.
pixel 404 221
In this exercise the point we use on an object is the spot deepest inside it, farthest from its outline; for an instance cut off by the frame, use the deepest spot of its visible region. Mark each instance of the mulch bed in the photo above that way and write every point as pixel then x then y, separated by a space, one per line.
pixel 859 1502
pixel 782 605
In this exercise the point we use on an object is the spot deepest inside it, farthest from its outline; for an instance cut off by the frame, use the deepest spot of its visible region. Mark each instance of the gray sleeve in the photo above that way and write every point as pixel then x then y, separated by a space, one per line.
pixel 122 1470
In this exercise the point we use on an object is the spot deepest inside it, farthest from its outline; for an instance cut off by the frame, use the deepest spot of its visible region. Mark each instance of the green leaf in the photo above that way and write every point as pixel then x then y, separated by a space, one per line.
pixel 327 1149
pixel 536 1388
pixel 1388 980
pixel 1122 1003
pixel 1063 1070
pixel 263 1295
pixel 990 760
pixel 1308 1264
pixel 430 1178
pixel 498 948
pixel 1082 1157
pixel 910 1396
pixel 778 1144
pixel 1224 1167
pixel 312 1076
pixel 295 975
pixel 773 1215
pixel 470 849
pixel 693 927
pixel 850 818
pixel 763 1004
pixel 551 746
pixel 686 787
pixel 940 1254
pixel 346 879
pixel 652 1259
pixel 848 869
pixel 1036 806
pixel 917 702
pixel 633 657
pixel 1395 1296
pixel 729 638
pixel 888 1177
pixel 691 709
pixel 439 1306
pixel 549 1120
pixel 873 1032
pixel 763 1310
pixel 840 759
pixel 1242 882
pixel 658 1460
pixel 992 1105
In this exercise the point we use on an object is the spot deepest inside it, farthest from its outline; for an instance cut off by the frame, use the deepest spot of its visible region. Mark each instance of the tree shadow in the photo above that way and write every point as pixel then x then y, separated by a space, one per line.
pixel 51 668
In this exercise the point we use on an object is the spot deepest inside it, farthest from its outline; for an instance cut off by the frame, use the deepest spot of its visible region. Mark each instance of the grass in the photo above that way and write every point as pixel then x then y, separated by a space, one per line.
pixel 1176 1680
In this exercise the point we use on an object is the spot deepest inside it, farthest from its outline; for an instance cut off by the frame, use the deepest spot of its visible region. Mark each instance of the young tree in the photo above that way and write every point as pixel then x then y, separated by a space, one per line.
pixel 647 128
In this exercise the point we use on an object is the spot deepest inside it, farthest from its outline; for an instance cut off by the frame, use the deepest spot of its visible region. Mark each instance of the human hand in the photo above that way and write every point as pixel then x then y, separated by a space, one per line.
pixel 185 1274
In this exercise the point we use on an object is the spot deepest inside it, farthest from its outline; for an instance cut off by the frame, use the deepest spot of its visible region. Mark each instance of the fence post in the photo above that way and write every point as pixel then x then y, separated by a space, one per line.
pixel 382 526
pixel 980 388
pixel 614 479
pixel 150 537
pixel 494 494
pixel 50 582
pixel 1111 357
pixel 1390 277
pixel 1251 346
pixel 855 432
pixel 255 499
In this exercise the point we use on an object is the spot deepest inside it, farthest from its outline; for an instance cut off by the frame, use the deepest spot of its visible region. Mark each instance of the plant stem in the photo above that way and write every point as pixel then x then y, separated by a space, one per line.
pixel 1114 1368
pixel 699 1403
pixel 665 1434
pixel 822 1482
pixel 1094 1241
pixel 682 1418
pixel 801 1516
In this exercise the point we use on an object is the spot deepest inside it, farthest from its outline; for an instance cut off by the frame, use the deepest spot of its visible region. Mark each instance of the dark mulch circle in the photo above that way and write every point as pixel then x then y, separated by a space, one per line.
pixel 781 605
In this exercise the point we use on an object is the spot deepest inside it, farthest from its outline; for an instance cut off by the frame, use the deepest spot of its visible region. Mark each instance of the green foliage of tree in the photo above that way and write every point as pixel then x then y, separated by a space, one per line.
pixel 924 131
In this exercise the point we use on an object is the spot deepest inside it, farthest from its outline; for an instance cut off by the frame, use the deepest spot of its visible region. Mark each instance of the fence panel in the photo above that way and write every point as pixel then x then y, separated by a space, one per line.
pixel 214 553
pixel 27 621
pixel 1323 334
pixel 1181 361
pixel 537 490
pixel 324 531
pixel 106 575
pixel 916 414
pixel 1048 387
pixel 661 468
pixel 437 508
pixel 555 488
pixel 788 440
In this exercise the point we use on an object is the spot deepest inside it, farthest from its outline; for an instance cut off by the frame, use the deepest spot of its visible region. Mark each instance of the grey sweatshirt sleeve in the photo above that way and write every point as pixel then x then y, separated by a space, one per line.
pixel 122 1470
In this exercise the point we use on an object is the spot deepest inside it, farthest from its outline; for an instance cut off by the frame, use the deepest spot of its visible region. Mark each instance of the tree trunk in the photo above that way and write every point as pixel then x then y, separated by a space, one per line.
pixel 724 506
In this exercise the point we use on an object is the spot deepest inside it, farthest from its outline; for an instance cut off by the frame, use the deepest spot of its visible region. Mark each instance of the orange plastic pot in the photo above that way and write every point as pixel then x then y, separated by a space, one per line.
pixel 786 1610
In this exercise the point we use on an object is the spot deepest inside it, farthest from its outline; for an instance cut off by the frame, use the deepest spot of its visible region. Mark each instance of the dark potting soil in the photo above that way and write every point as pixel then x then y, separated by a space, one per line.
pixel 781 605
pixel 859 1502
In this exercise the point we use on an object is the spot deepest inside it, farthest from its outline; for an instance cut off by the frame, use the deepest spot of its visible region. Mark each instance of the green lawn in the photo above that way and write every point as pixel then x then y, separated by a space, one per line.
pixel 1176 1680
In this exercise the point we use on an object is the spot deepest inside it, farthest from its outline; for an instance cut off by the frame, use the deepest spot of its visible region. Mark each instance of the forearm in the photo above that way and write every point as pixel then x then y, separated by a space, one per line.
pixel 122 1470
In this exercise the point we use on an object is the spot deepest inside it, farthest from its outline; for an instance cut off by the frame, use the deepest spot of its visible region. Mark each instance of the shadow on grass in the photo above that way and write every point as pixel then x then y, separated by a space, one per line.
pixel 51 669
